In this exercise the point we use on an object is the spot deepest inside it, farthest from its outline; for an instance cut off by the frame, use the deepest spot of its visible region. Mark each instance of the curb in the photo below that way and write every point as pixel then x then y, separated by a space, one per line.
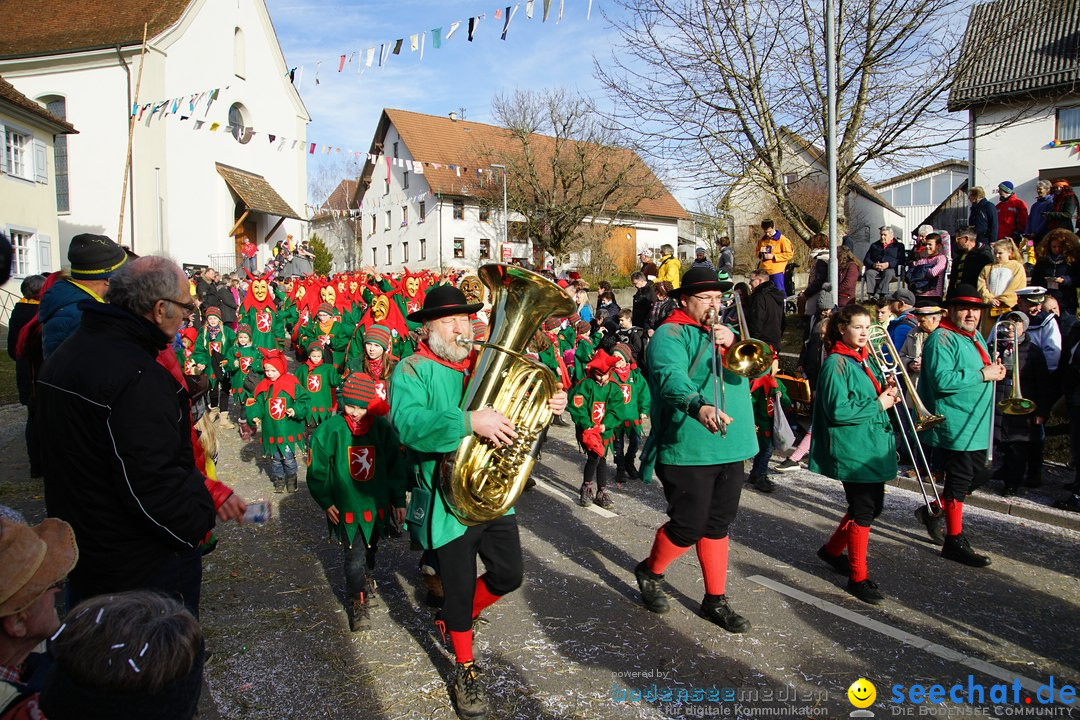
pixel 1025 510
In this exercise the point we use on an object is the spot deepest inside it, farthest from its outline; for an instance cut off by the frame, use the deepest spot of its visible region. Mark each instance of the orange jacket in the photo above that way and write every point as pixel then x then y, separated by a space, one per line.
pixel 781 249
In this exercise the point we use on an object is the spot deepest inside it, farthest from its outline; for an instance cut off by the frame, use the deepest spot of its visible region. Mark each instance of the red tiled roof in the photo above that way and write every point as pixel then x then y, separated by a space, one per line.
pixel 342 197
pixel 47 27
pixel 435 139
pixel 9 94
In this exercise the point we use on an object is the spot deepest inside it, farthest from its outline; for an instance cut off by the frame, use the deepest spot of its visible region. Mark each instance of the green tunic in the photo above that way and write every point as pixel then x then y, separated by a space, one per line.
pixel 680 381
pixel 245 360
pixel 635 400
pixel 363 476
pixel 319 383
pixel 583 353
pixel 591 403
pixel 277 427
pixel 852 436
pixel 337 337
pixel 266 326
pixel 951 384
pixel 212 352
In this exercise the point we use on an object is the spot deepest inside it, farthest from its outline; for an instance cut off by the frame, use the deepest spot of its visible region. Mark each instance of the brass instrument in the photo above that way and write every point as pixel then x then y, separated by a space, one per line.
pixel 482 482
pixel 747 357
pixel 885 356
pixel 1015 404
pixel 718 392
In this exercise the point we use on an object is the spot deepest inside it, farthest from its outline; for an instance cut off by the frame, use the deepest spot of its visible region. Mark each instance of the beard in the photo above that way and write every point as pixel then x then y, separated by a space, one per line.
pixel 448 349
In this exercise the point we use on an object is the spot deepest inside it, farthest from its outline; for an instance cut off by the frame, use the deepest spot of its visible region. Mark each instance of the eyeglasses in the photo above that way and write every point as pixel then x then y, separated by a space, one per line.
pixel 189 307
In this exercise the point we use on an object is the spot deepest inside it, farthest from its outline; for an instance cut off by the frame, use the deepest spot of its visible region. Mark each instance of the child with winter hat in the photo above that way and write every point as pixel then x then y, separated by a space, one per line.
pixel 635 405
pixel 279 409
pixel 584 348
pixel 213 347
pixel 247 362
pixel 320 380
pixel 357 475
pixel 327 331
pixel 592 405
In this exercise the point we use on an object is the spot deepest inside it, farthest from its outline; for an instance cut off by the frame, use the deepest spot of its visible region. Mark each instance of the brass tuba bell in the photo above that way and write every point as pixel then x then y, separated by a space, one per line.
pixel 747 357
pixel 482 482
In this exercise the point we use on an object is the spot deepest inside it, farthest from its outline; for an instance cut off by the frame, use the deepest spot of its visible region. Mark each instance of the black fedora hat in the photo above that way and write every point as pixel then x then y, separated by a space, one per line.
pixel 966 296
pixel 701 279
pixel 444 300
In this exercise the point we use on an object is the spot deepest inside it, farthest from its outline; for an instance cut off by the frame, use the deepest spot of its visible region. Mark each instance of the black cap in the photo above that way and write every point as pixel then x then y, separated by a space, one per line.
pixel 700 279
pixel 444 300
pixel 94 257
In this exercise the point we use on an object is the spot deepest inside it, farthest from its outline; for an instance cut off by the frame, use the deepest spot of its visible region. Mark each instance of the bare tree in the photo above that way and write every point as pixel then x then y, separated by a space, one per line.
pixel 565 170
pixel 331 208
pixel 722 86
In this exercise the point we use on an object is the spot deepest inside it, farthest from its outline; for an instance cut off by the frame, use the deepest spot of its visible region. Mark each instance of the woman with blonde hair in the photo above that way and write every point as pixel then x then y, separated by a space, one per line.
pixel 999 281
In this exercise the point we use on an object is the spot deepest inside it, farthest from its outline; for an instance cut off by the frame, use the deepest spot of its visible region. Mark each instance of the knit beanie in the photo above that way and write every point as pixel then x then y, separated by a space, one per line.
pixel 479 329
pixel 1006 188
pixel 326 308
pixel 624 350
pixel 94 257
pixel 243 329
pixel 316 346
pixel 358 389
pixel 378 334
pixel 212 311
pixel 582 326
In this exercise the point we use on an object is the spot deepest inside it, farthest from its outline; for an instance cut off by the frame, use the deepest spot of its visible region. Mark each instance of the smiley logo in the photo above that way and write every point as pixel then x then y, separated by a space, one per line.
pixel 862 693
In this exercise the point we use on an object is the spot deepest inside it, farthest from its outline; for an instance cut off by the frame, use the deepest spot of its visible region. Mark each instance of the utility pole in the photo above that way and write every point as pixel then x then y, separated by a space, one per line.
pixel 830 137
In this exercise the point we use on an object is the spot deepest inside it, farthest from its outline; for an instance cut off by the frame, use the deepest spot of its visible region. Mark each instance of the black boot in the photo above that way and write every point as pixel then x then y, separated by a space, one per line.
pixel 468 697
pixel 866 590
pixel 839 563
pixel 651 585
pixel 279 484
pixel 959 549
pixel 935 526
pixel 358 615
pixel 715 609
pixel 620 476
pixel 291 483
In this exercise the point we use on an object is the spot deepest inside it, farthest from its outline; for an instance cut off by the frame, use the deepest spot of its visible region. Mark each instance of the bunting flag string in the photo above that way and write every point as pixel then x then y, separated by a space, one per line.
pixel 171 106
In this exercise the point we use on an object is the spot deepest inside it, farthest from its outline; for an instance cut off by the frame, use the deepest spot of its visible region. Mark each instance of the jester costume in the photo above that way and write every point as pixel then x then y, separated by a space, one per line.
pixel 319 379
pixel 259 312
pixel 282 434
pixel 593 403
pixel 330 333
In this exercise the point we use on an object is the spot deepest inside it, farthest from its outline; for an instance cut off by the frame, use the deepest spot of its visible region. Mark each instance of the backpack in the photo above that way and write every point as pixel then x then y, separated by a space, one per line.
pixel 918 279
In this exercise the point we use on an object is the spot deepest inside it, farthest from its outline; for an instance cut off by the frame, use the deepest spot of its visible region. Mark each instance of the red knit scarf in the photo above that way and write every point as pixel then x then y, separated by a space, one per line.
pixel 359 426
pixel 376 366
pixel 860 356
pixel 947 324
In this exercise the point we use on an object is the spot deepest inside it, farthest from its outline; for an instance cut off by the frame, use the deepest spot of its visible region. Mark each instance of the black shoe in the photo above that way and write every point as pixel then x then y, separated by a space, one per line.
pixel 935 526
pixel 653 596
pixel 358 613
pixel 1009 491
pixel 761 483
pixel 1072 504
pixel 291 483
pixel 279 485
pixel 603 499
pixel 788 465
pixel 588 492
pixel 715 609
pixel 1033 482
pixel 468 697
pixel 620 477
pixel 839 563
pixel 866 590
pixel 959 549
pixel 633 472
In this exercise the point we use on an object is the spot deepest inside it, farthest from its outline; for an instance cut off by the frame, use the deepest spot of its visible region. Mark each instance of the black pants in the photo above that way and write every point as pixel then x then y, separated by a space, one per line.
pixel 218 397
pixel 359 561
pixel 626 438
pixel 179 575
pixel 499 546
pixel 1020 461
pixel 702 500
pixel 595 469
pixel 864 501
pixel 965 472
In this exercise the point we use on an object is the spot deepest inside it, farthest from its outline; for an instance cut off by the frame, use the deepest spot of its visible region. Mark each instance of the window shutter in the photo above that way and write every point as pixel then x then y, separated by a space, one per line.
pixel 41 167
pixel 3 152
pixel 44 246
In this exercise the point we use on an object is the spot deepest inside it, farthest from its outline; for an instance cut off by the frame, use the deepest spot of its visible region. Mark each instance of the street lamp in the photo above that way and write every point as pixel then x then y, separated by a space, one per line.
pixel 506 237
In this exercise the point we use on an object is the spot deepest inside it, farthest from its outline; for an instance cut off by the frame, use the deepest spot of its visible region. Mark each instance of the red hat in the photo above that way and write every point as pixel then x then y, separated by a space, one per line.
pixel 190 333
pixel 326 308
pixel 601 364
pixel 358 389
pixel 582 326
pixel 379 335
pixel 212 311
pixel 276 359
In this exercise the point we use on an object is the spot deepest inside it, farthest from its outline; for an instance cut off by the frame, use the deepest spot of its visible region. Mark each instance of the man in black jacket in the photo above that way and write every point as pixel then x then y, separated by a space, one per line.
pixel 644 297
pixel 969 260
pixel 117 424
pixel 765 310
pixel 982 216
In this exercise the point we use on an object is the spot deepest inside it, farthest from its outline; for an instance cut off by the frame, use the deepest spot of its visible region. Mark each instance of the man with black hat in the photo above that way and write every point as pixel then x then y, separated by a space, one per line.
pixel 697 447
pixel 425 408
pixel 93 259
pixel 957 381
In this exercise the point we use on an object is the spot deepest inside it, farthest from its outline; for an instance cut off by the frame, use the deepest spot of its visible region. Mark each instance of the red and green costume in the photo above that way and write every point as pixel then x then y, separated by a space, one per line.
pixel 271 404
pixel 320 382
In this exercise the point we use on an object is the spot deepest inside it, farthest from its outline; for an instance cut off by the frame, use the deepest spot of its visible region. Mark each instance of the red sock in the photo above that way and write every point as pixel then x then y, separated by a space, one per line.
pixel 954 517
pixel 482 597
pixel 839 539
pixel 664 552
pixel 858 539
pixel 462 642
pixel 712 554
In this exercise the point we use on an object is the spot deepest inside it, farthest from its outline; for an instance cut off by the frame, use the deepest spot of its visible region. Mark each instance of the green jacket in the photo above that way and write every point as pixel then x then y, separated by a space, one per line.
pixel 211 353
pixel 852 436
pixel 951 384
pixel 583 353
pixel 635 400
pixel 680 362
pixel 591 403
pixel 277 427
pixel 267 326
pixel 244 360
pixel 320 384
pixel 337 337
pixel 363 476
pixel 425 409
pixel 761 402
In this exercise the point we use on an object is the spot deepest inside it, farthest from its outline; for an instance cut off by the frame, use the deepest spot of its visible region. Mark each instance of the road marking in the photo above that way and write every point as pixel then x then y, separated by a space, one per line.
pixel 905 637
pixel 550 489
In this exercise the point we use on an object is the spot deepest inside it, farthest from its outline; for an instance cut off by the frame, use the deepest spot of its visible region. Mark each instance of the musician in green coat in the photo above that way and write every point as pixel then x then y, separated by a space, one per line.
pixel 697 447
pixel 426 392
pixel 956 381
pixel 853 443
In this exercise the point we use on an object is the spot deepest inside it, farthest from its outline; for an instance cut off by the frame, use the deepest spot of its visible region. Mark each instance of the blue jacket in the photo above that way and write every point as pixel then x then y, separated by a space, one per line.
pixel 1036 224
pixel 59 313
pixel 983 217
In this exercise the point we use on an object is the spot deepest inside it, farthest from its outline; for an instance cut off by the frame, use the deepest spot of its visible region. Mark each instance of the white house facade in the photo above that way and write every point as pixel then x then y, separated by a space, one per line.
pixel 917 194
pixel 178 201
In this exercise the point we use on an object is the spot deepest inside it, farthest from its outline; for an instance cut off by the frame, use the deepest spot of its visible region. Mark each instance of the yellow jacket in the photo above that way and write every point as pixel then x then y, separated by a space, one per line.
pixel 782 251
pixel 669 268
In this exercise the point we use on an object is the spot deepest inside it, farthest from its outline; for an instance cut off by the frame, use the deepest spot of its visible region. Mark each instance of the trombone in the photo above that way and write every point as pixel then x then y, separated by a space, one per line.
pixel 746 357
pixel 892 369
pixel 712 316
pixel 1014 404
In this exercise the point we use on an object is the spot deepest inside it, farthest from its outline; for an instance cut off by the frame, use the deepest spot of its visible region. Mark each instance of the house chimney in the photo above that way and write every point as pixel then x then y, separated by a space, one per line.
pixel 453 116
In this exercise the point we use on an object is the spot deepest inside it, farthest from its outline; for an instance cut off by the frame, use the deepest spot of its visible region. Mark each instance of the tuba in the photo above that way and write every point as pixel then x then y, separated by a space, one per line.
pixel 482 482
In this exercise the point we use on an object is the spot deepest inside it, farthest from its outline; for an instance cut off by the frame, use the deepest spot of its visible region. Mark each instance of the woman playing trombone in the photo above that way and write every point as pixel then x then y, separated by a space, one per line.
pixel 853 442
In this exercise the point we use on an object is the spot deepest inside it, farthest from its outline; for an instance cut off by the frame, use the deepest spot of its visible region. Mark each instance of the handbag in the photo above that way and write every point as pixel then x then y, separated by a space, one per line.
pixel 250 383
pixel 783 437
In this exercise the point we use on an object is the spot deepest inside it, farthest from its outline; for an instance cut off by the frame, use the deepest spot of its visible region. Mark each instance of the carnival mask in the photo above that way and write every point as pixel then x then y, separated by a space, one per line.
pixel 259 288
pixel 380 308
pixel 301 292
pixel 328 295
pixel 412 285
pixel 473 289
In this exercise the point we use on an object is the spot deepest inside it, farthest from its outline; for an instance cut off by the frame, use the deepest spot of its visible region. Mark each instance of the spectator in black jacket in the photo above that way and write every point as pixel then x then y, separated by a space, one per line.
pixel 23 312
pixel 970 259
pixel 982 216
pixel 882 263
pixel 765 310
pixel 644 297
pixel 119 465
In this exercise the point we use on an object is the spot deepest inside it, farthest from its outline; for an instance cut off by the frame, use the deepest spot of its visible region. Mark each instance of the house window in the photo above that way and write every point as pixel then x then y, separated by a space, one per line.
pixel 374 223
pixel 423 249
pixel 423 211
pixel 386 186
pixel 485 214
pixel 790 178
pixel 405 252
pixel 405 181
pixel 387 228
pixel 404 215
pixel 58 107
pixel 459 210
pixel 20 253
pixel 239 63
pixel 459 247
pixel 395 154
pixel 238 124
pixel 374 256
pixel 389 254
pixel 17 159
pixel 485 248
pixel 1068 124
pixel 902 195
pixel 920 192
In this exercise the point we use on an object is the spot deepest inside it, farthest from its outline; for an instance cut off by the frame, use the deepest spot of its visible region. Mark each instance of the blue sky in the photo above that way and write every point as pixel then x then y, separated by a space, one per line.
pixel 345 107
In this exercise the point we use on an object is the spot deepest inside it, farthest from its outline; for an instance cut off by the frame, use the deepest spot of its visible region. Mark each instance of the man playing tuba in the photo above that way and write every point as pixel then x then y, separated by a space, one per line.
pixel 426 396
